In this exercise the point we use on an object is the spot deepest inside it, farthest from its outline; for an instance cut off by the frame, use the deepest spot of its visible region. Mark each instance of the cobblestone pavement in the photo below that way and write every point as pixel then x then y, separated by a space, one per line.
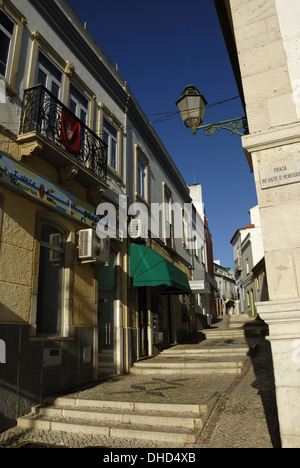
pixel 244 416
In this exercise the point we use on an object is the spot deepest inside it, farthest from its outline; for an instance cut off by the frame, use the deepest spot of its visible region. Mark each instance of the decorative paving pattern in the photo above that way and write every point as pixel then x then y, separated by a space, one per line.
pixel 160 385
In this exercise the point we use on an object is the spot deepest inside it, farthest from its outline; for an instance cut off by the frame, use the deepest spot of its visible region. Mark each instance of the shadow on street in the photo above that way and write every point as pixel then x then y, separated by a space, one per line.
pixel 262 363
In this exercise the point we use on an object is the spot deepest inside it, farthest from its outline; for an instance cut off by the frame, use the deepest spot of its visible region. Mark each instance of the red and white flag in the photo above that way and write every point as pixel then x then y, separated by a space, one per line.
pixel 70 132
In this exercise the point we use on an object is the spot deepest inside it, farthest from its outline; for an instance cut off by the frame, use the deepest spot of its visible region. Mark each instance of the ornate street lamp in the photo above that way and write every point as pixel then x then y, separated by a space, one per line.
pixel 192 109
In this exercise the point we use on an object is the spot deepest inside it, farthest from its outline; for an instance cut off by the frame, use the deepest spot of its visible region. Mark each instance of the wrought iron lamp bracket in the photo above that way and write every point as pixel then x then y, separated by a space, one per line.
pixel 237 126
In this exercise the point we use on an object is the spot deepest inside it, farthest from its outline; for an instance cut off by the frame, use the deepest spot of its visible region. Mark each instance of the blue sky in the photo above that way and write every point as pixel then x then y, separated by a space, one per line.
pixel 160 47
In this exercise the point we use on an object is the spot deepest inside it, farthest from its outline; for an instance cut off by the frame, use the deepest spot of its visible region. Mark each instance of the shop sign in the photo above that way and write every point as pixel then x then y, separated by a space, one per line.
pixel 33 185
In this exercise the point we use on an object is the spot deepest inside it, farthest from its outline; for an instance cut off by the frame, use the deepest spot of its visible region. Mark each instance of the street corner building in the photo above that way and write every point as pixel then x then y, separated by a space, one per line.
pixel 74 307
pixel 262 39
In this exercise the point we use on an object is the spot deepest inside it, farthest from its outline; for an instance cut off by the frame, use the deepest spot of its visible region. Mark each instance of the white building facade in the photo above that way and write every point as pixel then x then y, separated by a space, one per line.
pixel 227 295
pixel 262 39
pixel 248 252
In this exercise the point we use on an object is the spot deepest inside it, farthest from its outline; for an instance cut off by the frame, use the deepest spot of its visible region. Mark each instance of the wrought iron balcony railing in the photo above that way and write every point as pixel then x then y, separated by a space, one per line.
pixel 42 112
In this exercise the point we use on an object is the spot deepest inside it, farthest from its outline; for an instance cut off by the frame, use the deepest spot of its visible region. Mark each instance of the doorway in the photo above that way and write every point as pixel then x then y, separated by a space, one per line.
pixel 172 319
pixel 252 303
pixel 143 322
pixel 107 290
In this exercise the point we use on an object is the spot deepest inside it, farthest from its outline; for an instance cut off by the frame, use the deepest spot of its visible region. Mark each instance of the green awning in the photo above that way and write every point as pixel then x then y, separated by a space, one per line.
pixel 148 268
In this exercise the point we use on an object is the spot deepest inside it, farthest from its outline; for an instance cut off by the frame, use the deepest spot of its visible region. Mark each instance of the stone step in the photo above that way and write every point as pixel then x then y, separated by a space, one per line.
pixel 235 369
pixel 191 363
pixel 125 405
pixel 180 424
pixel 184 372
pixel 77 426
pixel 207 352
pixel 240 324
pixel 243 320
pixel 231 333
pixel 190 421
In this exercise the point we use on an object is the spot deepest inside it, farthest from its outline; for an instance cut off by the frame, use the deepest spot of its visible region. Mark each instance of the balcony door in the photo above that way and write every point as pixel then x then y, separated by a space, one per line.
pixel 51 78
pixel 79 106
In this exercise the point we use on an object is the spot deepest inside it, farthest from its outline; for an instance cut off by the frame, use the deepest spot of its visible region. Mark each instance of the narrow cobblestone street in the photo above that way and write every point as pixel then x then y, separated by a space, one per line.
pixel 246 414
pixel 242 408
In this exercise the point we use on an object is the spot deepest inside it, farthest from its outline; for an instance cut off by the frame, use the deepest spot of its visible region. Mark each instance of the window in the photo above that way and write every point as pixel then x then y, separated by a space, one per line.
pixel 78 104
pixel 12 23
pixel 49 76
pixel 247 266
pixel 7 28
pixel 141 178
pixel 248 299
pixel 183 227
pixel 168 215
pixel 110 131
pixel 203 256
pixel 50 284
pixel 141 175
pixel 110 137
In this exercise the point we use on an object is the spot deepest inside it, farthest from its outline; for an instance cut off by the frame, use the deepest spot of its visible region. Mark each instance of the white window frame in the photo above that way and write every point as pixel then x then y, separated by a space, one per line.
pixel 11 42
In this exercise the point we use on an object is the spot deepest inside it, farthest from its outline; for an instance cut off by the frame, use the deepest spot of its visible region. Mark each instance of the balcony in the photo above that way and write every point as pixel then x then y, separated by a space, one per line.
pixel 49 129
pixel 238 265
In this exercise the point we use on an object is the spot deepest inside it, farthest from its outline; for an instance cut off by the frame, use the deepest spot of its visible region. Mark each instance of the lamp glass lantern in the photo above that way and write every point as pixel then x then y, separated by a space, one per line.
pixel 192 107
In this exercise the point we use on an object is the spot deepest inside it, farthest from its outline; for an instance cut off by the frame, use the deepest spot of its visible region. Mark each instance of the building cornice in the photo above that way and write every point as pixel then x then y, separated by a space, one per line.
pixel 283 312
pixel 277 136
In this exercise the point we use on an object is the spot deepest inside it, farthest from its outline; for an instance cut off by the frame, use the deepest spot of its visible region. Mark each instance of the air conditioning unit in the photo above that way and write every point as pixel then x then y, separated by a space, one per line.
pixel 92 249
pixel 137 230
